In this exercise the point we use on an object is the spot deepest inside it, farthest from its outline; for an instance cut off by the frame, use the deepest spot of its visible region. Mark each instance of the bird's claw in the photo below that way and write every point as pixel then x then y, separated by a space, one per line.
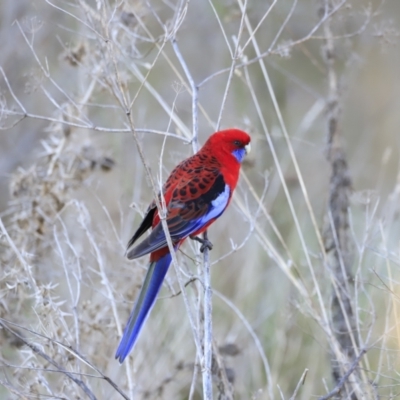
pixel 205 244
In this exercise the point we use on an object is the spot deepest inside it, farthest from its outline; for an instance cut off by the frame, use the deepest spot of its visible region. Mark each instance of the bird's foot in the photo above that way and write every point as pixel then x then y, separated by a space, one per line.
pixel 205 244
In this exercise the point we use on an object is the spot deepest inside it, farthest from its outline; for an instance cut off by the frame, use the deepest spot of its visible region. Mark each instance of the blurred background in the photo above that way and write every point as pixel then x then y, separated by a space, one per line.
pixel 73 189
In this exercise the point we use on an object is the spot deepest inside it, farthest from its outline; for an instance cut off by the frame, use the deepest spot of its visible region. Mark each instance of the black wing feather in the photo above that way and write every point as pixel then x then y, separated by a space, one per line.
pixel 144 226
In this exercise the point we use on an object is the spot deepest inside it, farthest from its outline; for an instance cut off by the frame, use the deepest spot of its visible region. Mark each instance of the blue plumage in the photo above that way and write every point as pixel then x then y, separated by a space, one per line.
pixel 239 154
pixel 147 297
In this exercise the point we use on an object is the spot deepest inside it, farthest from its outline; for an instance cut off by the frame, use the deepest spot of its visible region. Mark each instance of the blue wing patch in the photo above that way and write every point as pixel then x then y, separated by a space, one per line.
pixel 184 219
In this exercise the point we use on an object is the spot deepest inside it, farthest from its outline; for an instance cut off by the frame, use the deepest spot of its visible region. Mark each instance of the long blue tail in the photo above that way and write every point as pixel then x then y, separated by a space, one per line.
pixel 145 302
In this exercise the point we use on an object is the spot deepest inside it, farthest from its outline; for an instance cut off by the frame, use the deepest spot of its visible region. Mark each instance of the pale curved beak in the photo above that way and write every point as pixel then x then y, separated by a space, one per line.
pixel 247 148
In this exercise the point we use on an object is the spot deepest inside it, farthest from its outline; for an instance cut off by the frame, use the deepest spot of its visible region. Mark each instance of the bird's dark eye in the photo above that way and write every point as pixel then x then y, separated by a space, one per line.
pixel 237 143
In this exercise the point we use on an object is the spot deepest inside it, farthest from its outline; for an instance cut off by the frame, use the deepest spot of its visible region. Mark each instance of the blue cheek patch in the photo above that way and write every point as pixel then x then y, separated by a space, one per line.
pixel 239 154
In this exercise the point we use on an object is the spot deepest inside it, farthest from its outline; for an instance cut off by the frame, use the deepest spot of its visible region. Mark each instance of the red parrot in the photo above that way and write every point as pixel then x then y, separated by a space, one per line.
pixel 196 193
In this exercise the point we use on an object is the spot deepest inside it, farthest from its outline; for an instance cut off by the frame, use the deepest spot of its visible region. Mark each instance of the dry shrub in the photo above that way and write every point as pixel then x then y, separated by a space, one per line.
pixel 87 83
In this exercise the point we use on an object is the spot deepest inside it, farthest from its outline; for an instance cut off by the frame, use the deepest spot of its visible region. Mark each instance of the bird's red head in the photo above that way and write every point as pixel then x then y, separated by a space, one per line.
pixel 230 141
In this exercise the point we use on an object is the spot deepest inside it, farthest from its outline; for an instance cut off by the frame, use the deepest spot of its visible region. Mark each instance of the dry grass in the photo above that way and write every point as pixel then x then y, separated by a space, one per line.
pixel 99 100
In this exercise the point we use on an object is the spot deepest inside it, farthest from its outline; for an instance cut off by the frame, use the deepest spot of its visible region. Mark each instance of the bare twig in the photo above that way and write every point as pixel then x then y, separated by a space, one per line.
pixel 208 338
pixel 224 386
pixel 345 377
pixel 268 82
pixel 270 51
pixel 299 384
pixel 13 94
pixel 243 9
pixel 14 390
pixel 39 352
pixel 256 339
pixel 206 357
pixel 337 236
pixel 195 97
pixel 89 126
pixel 72 351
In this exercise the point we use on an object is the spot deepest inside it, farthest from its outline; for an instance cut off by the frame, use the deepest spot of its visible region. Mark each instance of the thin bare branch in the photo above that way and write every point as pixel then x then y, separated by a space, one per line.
pixel 345 377
pixel 39 352
pixel 299 384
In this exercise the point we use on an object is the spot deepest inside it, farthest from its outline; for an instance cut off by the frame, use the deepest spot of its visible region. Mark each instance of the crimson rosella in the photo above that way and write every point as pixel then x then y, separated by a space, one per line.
pixel 196 193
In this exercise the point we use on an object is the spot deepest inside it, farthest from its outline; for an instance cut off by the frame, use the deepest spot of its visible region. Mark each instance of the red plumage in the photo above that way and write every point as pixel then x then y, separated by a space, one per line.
pixel 196 193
